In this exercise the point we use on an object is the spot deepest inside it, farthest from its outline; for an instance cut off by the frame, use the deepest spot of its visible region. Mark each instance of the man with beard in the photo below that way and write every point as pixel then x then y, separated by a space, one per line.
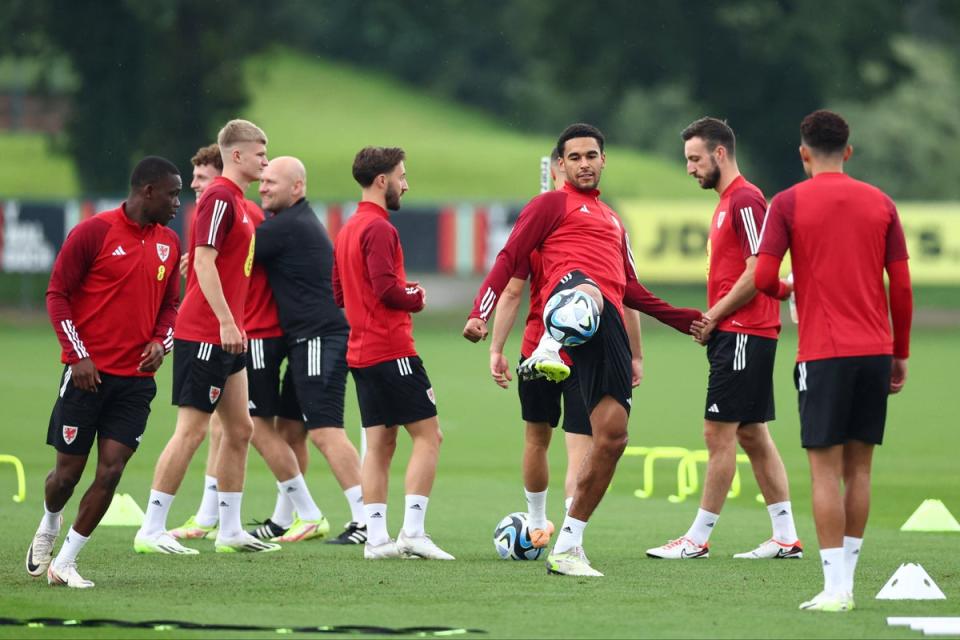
pixel 113 301
pixel 393 389
pixel 740 332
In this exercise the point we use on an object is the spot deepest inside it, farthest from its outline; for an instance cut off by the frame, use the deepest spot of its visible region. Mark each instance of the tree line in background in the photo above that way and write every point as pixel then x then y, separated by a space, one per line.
pixel 162 74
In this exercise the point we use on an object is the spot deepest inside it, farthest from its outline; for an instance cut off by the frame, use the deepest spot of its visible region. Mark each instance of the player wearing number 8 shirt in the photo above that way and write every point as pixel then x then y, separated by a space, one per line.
pixel 842 234
pixel 209 349
pixel 113 301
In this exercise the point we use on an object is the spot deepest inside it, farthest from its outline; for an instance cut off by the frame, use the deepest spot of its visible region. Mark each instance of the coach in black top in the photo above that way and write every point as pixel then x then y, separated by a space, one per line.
pixel 296 251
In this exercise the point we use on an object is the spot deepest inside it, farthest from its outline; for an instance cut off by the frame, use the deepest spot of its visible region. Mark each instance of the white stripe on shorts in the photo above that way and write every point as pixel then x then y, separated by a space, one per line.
pixel 66 380
pixel 314 361
pixel 802 377
pixel 740 352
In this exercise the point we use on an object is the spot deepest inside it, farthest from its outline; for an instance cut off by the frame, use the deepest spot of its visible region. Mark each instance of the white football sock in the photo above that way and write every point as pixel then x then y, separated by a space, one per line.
pixel 354 496
pixel 547 342
pixel 230 523
pixel 155 520
pixel 781 518
pixel 51 520
pixel 571 535
pixel 296 489
pixel 282 509
pixel 833 571
pixel 209 512
pixel 536 508
pixel 851 553
pixel 567 502
pixel 376 523
pixel 414 514
pixel 702 526
pixel 71 548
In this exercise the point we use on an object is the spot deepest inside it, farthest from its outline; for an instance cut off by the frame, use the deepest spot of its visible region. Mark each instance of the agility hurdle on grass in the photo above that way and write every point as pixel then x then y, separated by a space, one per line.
pixel 21 493
pixel 688 477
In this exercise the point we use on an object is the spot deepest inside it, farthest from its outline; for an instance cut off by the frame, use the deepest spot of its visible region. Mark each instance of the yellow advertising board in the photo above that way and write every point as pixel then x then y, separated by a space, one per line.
pixel 669 239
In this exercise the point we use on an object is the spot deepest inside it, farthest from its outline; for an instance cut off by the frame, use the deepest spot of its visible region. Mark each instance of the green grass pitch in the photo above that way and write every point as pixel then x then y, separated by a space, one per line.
pixel 478 483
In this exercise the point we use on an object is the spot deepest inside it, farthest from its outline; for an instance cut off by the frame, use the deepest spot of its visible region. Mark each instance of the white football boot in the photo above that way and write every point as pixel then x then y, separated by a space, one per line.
pixel 421 547
pixel 67 575
pixel 680 549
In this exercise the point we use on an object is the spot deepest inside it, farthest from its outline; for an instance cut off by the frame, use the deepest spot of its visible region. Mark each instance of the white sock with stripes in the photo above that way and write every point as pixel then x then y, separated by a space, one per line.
pixel 155 520
pixel 72 546
pixel 209 512
pixel 414 515
pixel 282 509
pixel 571 535
pixel 702 526
pixel 296 489
pixel 376 523
pixel 230 524
pixel 354 497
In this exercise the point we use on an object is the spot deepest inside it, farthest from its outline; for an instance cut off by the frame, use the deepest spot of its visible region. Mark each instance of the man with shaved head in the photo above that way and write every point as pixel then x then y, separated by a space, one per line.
pixel 296 252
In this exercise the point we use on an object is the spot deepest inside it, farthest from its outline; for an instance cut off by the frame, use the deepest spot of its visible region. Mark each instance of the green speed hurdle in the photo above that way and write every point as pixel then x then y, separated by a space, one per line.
pixel 652 455
pixel 688 476
pixel 691 473
pixel 21 493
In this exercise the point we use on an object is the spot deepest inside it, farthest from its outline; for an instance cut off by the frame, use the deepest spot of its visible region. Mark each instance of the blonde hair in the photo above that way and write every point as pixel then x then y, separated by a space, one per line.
pixel 237 131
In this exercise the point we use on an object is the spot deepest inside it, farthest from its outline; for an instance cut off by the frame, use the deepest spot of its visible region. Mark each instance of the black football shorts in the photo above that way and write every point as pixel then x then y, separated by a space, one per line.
pixel 540 401
pixel 843 399
pixel 200 369
pixel 118 411
pixel 740 386
pixel 394 392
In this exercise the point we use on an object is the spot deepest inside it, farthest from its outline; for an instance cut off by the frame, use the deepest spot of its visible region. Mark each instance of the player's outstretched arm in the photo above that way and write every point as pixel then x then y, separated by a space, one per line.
pixel 537 220
pixel 503 320
pixel 205 266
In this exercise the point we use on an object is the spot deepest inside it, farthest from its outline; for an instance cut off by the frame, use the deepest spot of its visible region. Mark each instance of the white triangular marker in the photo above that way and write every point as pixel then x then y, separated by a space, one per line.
pixel 910 582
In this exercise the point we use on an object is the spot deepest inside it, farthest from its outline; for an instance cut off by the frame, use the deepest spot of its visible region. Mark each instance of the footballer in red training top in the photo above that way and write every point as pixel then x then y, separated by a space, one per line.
pixel 113 302
pixel 393 389
pixel 842 235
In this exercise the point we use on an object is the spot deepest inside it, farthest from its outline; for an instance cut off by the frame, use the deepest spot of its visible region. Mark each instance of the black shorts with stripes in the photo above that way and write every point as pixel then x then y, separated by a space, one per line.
pixel 843 399
pixel 740 386
pixel 315 382
pixel 265 356
pixel 200 370
pixel 394 392
pixel 117 411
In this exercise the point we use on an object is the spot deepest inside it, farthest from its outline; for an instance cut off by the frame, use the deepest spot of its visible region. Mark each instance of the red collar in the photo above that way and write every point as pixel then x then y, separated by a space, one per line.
pixel 366 206
pixel 227 182
pixel 738 182
pixel 569 188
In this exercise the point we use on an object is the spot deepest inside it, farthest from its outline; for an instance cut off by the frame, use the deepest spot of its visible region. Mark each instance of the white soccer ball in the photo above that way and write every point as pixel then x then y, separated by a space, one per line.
pixel 511 539
pixel 571 316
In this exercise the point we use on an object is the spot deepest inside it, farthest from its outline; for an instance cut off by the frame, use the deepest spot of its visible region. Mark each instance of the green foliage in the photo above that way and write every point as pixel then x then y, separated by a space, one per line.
pixel 153 77
pixel 904 142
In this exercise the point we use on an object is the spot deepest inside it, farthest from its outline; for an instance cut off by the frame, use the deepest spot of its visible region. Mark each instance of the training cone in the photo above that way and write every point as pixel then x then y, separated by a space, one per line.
pixel 910 582
pixel 123 512
pixel 931 515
